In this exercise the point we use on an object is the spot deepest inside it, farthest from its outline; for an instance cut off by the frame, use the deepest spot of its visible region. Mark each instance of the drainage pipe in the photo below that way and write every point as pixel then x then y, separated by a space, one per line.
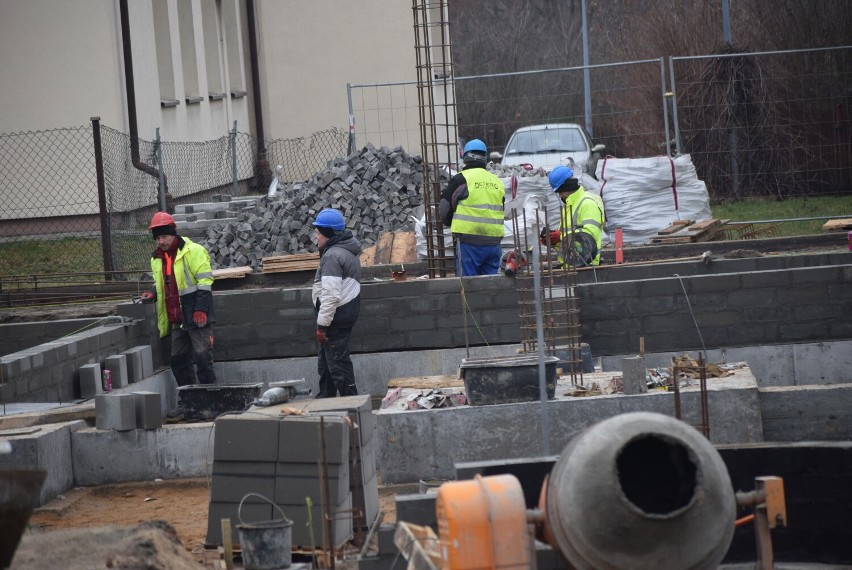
pixel 261 167
pixel 131 101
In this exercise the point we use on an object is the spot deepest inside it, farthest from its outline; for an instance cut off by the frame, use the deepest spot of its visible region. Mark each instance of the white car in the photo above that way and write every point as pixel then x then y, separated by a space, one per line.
pixel 547 146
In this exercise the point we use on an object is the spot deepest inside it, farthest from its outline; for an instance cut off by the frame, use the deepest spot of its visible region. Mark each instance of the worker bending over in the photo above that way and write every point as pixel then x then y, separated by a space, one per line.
pixel 582 220
pixel 472 205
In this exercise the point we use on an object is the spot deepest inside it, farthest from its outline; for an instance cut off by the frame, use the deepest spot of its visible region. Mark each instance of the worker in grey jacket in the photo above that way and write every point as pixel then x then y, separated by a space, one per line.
pixel 336 295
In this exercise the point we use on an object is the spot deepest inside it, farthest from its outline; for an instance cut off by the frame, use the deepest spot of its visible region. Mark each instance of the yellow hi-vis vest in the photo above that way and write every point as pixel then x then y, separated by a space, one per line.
pixel 191 271
pixel 481 213
pixel 587 216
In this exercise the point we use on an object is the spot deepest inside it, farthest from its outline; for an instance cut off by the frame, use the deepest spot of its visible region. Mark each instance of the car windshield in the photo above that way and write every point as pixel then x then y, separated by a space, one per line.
pixel 547 140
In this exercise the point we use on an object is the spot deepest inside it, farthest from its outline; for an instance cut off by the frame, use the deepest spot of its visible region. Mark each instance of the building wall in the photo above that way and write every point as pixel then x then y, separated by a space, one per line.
pixel 310 51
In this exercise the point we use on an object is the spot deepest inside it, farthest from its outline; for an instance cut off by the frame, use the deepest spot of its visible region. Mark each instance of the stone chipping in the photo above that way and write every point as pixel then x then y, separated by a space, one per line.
pixel 377 190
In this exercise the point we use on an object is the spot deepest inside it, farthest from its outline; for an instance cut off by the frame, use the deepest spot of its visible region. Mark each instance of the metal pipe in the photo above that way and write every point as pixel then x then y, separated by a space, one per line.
pixel 106 232
pixel 130 86
pixel 262 172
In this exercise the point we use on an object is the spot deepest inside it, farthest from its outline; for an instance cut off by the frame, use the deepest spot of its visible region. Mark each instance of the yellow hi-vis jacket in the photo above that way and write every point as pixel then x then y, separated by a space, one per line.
pixel 194 277
pixel 587 215
pixel 481 213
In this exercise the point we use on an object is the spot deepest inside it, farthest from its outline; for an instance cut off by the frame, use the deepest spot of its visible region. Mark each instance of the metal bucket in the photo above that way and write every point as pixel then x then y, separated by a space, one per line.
pixel 266 545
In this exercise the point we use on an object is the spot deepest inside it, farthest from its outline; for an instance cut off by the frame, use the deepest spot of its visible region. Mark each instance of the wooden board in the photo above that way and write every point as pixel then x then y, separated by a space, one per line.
pixel 284 263
pixel 838 225
pixel 391 249
pixel 428 382
pixel 231 272
pixel 704 230
pixel 675 226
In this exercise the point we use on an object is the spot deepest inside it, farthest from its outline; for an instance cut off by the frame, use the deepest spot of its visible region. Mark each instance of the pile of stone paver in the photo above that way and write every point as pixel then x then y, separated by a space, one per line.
pixel 376 189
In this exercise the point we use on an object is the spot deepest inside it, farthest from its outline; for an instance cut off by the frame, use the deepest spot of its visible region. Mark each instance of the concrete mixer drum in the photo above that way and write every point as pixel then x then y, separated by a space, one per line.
pixel 640 490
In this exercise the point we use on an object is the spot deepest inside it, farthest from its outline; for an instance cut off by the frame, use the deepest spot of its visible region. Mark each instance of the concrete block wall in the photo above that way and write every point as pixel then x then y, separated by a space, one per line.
pixel 802 304
pixel 50 372
pixel 20 336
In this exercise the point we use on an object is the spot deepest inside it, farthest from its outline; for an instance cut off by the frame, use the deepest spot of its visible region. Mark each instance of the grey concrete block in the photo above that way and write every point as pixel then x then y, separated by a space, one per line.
pixel 233 480
pixel 306 536
pixel 250 513
pixel 46 447
pixel 115 411
pixel 295 481
pixel 90 380
pixel 246 437
pixel 299 440
pixel 417 509
pixel 149 411
pixel 117 364
pixel 174 451
pixel 807 413
pixel 134 365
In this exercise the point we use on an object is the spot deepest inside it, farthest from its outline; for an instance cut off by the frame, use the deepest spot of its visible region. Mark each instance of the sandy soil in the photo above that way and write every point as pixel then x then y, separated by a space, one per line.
pixel 181 503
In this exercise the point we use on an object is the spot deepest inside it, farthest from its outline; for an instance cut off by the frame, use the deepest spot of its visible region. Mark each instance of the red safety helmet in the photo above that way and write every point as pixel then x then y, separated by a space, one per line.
pixel 161 219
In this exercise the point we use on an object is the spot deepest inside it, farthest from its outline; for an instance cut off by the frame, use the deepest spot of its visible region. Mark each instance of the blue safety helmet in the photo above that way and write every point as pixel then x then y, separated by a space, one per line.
pixel 558 176
pixel 475 153
pixel 330 218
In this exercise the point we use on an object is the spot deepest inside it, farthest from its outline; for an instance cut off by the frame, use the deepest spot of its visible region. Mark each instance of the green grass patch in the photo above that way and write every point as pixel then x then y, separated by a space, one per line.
pixel 755 209
pixel 72 255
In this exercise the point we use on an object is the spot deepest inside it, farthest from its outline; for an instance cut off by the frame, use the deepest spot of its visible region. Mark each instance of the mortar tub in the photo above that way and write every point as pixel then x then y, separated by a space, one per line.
pixel 266 545
pixel 208 401
pixel 506 379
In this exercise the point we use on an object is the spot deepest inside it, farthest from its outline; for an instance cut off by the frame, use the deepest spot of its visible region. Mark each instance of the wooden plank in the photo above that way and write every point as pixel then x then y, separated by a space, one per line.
pixel 419 546
pixel 705 225
pixel 291 257
pixel 231 272
pixel 404 248
pixel 384 247
pixel 427 382
pixel 838 225
pixel 675 226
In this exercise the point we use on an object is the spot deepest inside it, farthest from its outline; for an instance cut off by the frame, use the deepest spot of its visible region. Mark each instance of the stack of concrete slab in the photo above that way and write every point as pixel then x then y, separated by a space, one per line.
pixel 194 219
pixel 264 460
pixel 377 190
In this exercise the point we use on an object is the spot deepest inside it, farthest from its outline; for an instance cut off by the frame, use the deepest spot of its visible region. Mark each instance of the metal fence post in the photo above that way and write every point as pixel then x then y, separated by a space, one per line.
pixel 234 160
pixel 351 148
pixel 673 92
pixel 106 234
pixel 161 190
pixel 666 97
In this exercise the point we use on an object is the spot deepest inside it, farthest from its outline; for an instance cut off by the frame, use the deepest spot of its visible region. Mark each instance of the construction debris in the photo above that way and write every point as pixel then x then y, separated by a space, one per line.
pixel 377 190
pixel 418 399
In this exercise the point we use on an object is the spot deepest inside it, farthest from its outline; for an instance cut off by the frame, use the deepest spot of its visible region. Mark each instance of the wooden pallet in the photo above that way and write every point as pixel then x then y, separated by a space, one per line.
pixel 688 231
pixel 295 262
pixel 838 225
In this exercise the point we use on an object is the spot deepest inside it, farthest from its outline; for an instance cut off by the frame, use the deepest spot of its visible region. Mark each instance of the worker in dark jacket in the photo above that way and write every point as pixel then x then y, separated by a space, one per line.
pixel 183 291
pixel 336 295
pixel 472 205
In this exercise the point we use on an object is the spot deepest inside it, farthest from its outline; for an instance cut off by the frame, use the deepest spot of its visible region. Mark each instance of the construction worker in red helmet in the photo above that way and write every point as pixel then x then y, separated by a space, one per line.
pixel 183 291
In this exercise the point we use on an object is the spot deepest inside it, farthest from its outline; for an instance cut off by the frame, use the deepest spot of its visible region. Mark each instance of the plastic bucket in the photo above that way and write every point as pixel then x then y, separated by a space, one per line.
pixel 266 545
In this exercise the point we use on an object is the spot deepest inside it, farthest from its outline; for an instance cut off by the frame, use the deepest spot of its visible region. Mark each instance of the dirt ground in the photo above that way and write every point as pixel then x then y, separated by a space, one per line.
pixel 181 503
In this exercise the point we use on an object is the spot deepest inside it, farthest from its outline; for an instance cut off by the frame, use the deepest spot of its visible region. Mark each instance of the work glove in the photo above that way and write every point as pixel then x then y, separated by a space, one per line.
pixel 555 237
pixel 199 318
pixel 321 335
pixel 146 297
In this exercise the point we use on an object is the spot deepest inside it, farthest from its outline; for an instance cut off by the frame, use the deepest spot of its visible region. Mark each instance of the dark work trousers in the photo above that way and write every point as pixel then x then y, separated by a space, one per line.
pixel 192 348
pixel 334 365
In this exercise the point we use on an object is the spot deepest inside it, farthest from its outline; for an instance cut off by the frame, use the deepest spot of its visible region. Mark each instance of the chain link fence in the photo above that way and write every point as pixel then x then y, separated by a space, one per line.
pixel 53 229
pixel 755 124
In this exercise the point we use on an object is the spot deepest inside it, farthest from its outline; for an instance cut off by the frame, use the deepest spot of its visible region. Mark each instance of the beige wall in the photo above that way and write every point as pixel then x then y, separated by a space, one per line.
pixel 310 51
pixel 59 64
